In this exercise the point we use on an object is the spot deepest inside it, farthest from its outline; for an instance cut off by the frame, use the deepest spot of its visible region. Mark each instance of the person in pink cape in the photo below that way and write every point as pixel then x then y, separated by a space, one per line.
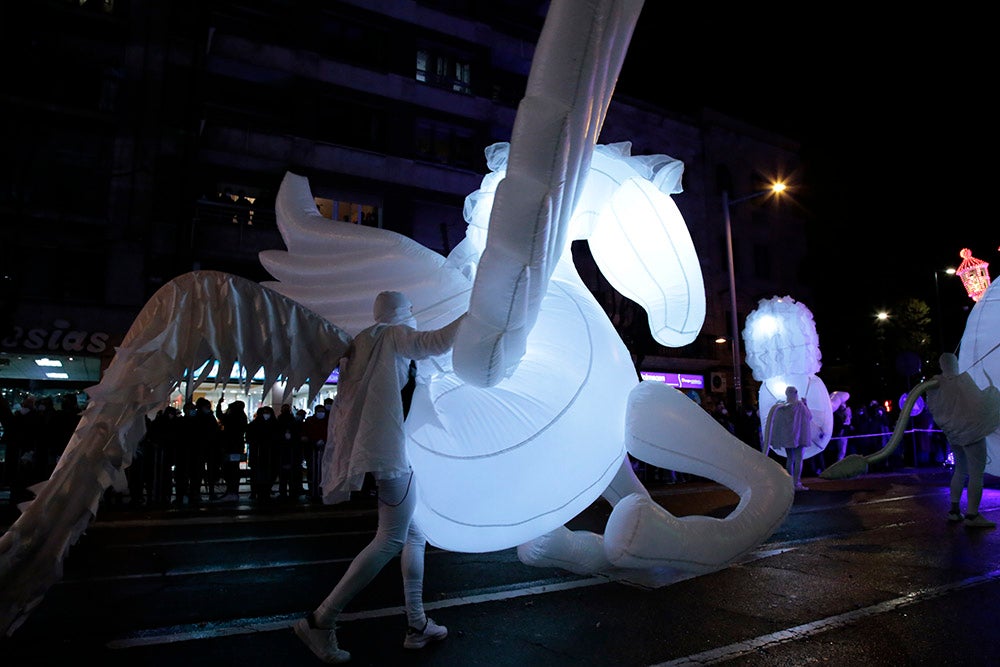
pixel 787 427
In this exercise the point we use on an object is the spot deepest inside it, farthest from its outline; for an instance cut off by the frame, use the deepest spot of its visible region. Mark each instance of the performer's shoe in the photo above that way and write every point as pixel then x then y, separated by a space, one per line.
pixel 978 521
pixel 432 632
pixel 322 642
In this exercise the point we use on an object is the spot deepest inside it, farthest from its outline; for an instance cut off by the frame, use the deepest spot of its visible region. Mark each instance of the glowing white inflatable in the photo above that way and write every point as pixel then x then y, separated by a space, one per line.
pixel 485 456
pixel 979 355
pixel 534 425
pixel 194 318
pixel 838 398
pixel 782 349
pixel 573 74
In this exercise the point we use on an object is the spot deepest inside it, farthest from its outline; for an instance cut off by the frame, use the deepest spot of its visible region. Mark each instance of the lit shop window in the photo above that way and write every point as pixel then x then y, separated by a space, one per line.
pixel 345 211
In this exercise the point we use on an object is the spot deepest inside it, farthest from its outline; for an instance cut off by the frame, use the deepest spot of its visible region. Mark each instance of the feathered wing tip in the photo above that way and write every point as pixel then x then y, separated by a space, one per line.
pixel 336 268
pixel 193 319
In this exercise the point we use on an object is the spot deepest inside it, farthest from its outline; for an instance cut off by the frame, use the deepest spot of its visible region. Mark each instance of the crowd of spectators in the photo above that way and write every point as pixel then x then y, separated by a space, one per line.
pixel 35 433
pixel 203 455
pixel 863 430
pixel 211 455
pixel 185 457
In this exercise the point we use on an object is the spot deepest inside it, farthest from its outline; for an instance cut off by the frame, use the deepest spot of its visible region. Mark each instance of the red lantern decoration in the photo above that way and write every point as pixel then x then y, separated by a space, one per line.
pixel 973 273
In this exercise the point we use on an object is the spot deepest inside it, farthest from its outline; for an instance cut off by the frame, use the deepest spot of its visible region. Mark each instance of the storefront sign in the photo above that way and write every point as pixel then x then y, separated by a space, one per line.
pixel 58 338
pixel 679 380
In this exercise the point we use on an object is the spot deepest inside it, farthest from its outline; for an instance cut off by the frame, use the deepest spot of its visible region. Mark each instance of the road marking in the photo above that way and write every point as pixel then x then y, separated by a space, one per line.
pixel 281 622
pixel 806 630
pixel 224 569
pixel 244 626
pixel 276 623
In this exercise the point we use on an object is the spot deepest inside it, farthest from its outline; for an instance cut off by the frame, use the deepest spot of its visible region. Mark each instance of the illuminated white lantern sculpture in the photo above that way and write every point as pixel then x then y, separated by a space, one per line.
pixel 974 274
pixel 782 349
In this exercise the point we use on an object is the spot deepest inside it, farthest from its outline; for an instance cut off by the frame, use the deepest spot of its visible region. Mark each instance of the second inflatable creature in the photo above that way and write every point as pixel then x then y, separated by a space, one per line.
pixel 782 349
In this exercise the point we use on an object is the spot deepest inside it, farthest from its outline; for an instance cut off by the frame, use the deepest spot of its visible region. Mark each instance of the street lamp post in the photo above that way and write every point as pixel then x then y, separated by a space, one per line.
pixel 937 303
pixel 727 204
pixel 881 321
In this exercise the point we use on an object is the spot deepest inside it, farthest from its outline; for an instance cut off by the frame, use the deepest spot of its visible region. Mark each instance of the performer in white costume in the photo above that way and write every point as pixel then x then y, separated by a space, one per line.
pixel 368 436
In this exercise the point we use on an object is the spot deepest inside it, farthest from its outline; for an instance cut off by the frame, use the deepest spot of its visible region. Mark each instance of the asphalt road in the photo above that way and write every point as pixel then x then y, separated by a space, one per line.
pixel 863 571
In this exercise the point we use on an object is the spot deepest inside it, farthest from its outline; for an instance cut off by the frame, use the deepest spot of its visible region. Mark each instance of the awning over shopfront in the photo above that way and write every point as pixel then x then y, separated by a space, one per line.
pixel 49 367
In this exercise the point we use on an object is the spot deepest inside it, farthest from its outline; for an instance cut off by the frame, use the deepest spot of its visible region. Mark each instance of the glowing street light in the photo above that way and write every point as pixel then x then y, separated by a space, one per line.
pixel 727 203
pixel 881 319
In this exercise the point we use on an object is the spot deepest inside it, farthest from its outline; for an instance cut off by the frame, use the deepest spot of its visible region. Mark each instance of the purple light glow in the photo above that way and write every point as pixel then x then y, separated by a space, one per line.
pixel 679 380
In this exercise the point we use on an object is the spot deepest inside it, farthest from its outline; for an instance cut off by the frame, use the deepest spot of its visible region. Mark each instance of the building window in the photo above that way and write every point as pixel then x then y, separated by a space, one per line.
pixel 350 123
pixel 105 6
pixel 447 144
pixel 422 59
pixel 462 74
pixel 347 211
pixel 444 71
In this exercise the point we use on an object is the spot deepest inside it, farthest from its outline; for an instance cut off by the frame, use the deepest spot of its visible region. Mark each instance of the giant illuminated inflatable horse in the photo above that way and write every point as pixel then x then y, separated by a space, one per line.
pixel 530 420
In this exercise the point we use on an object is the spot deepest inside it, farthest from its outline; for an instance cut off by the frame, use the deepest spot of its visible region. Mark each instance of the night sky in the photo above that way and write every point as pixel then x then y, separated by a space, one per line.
pixel 890 109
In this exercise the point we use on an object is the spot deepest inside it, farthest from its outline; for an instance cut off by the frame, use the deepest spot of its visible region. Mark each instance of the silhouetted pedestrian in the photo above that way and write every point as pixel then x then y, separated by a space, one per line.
pixel 263 436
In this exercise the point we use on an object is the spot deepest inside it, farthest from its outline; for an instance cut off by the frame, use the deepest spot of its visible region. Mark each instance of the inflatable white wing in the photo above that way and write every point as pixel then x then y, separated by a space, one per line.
pixel 576 65
pixel 336 268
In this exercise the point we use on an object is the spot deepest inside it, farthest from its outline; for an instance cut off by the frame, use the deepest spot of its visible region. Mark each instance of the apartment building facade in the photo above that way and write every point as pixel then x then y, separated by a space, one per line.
pixel 147 139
